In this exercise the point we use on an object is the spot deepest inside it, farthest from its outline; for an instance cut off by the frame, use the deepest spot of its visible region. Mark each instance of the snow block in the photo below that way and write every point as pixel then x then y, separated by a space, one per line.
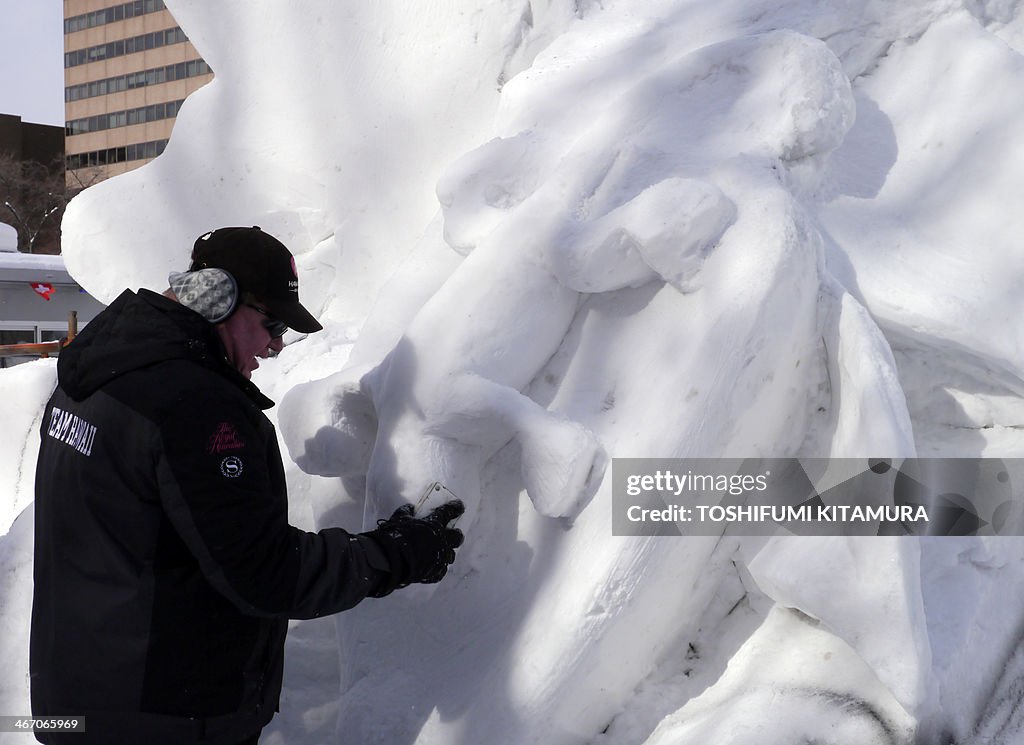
pixel 822 693
pixel 867 591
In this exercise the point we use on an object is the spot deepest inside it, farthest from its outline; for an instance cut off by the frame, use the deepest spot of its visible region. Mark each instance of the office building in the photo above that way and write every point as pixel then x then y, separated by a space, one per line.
pixel 42 143
pixel 127 69
pixel 31 167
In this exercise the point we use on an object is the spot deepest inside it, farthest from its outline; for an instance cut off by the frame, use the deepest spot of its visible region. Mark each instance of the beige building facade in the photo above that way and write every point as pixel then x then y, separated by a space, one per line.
pixel 127 69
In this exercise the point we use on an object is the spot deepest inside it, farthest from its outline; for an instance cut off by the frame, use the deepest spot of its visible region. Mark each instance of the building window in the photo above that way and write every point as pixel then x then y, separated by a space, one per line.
pixel 18 336
pixel 136 151
pixel 122 47
pixel 28 332
pixel 110 15
pixel 141 115
pixel 155 76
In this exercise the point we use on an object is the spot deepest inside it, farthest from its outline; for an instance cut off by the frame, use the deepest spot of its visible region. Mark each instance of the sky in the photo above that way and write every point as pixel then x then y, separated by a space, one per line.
pixel 31 60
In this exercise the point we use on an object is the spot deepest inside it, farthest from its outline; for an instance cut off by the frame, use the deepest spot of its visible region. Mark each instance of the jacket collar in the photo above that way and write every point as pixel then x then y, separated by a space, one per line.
pixel 138 330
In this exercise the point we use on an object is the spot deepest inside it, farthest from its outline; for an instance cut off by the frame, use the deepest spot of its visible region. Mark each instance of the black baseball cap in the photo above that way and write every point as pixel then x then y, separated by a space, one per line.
pixel 261 265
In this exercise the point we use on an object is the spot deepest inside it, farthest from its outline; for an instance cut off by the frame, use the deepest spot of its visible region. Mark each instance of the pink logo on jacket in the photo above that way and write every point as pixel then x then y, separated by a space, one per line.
pixel 225 438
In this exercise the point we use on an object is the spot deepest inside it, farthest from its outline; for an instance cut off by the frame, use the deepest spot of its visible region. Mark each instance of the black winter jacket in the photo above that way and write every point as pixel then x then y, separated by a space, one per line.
pixel 165 567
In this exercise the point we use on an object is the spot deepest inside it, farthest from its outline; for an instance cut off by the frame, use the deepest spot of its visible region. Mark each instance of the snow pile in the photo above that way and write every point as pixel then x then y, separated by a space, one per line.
pixel 545 234
pixel 8 238
pixel 26 388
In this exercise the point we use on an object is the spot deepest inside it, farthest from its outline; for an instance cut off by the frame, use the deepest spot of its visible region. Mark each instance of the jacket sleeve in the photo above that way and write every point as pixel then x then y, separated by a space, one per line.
pixel 221 484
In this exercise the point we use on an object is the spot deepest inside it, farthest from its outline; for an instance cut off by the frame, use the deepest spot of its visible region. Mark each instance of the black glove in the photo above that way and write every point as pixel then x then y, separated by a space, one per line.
pixel 417 549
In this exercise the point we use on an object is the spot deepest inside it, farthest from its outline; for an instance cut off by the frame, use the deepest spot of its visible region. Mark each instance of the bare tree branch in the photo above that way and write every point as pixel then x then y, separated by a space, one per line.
pixel 34 196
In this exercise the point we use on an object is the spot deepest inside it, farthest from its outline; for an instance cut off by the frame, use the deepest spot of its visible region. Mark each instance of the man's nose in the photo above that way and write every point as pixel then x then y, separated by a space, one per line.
pixel 276 345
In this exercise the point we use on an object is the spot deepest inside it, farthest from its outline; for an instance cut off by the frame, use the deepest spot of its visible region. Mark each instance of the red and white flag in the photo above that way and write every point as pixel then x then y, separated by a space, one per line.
pixel 44 289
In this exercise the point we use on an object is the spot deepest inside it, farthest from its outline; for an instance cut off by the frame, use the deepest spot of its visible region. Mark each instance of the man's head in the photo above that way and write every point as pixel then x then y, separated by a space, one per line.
pixel 266 292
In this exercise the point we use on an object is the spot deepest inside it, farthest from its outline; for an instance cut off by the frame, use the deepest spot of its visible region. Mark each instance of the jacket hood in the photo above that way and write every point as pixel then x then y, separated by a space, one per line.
pixel 139 330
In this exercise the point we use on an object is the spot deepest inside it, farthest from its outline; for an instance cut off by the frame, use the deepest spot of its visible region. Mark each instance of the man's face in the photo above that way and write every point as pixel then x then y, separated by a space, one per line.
pixel 245 337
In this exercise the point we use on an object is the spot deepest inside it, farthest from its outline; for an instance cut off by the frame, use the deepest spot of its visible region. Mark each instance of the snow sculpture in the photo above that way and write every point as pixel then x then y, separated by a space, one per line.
pixel 552 635
pixel 605 218
pixel 449 391
pixel 670 215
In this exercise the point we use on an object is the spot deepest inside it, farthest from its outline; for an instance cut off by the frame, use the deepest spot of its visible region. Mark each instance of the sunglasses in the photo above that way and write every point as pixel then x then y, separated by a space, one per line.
pixel 274 326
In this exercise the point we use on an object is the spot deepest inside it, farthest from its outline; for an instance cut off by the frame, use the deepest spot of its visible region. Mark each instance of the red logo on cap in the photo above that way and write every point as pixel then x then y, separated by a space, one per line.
pixel 294 270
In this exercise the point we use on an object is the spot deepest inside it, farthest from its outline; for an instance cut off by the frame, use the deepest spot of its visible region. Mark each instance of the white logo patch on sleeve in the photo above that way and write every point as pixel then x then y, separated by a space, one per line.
pixel 72 430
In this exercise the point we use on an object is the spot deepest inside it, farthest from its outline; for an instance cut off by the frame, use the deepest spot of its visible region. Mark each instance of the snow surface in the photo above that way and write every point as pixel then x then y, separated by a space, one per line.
pixel 8 238
pixel 22 267
pixel 544 234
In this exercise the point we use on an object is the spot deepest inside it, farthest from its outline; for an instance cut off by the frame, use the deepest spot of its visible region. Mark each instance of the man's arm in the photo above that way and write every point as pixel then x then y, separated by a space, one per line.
pixel 225 497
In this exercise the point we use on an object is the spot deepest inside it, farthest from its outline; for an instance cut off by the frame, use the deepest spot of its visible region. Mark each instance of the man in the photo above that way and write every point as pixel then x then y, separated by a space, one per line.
pixel 165 567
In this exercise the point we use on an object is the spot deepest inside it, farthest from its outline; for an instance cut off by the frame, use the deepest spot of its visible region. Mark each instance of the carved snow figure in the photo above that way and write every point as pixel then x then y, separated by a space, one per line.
pixel 577 244
pixel 447 397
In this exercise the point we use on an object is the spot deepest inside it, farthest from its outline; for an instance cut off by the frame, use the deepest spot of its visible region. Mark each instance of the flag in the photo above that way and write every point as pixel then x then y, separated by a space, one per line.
pixel 43 289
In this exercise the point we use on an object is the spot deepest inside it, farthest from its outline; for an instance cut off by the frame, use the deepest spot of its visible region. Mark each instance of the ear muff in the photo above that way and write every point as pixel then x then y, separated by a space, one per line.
pixel 212 293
